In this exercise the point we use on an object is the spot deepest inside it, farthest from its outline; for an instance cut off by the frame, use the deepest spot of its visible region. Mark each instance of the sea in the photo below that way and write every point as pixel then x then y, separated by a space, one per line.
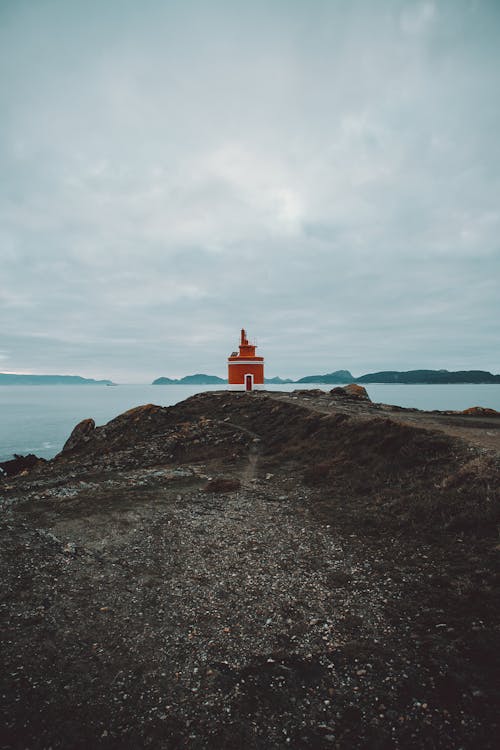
pixel 39 418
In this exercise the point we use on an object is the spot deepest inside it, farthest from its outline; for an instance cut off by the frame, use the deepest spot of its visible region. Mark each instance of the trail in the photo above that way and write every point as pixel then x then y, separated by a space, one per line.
pixel 249 472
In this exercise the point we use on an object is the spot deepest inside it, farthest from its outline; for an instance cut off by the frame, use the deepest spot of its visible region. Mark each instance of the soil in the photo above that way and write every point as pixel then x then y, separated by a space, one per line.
pixel 261 570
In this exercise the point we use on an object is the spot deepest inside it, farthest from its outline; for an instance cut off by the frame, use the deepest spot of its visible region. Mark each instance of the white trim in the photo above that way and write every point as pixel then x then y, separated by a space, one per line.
pixel 245 362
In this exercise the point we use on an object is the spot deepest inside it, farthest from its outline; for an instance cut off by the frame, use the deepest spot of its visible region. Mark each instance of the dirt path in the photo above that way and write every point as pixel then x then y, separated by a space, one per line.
pixel 249 472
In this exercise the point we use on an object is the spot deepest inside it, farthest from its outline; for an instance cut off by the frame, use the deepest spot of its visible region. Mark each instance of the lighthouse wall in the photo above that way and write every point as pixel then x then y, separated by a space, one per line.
pixel 238 370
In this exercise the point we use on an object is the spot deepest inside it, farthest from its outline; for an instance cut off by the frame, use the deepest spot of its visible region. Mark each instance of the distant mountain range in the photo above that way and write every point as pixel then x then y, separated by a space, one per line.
pixel 409 377
pixel 430 376
pixel 198 379
pixel 7 378
pixel 344 376
pixel 339 376
pixel 336 377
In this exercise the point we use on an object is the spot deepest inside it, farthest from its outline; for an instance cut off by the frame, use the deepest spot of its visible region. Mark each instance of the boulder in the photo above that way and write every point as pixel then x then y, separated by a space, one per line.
pixel 223 484
pixel 19 465
pixel 357 391
pixel 481 411
pixel 81 434
pixel 351 391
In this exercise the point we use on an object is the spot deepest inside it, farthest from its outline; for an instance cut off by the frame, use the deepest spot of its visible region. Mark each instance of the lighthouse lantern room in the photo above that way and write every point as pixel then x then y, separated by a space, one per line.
pixel 245 369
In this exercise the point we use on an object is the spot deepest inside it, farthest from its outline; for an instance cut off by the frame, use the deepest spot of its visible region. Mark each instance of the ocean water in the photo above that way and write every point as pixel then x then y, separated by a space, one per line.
pixel 38 419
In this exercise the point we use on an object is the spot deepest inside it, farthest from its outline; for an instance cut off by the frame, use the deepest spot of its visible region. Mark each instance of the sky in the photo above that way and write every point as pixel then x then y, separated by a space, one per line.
pixel 325 174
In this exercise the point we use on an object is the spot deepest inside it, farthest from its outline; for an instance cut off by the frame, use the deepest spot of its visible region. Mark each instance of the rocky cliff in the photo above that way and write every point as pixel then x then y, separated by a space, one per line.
pixel 260 570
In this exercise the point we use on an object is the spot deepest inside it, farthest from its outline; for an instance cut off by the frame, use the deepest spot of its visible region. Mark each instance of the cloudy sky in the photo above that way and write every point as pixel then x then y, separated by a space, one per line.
pixel 324 173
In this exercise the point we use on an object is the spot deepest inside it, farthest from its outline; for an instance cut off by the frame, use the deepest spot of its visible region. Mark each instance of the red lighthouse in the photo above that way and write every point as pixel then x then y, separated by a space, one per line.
pixel 245 370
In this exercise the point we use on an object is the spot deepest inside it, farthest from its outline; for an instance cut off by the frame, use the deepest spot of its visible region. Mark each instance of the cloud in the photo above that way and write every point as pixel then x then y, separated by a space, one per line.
pixel 416 18
pixel 325 174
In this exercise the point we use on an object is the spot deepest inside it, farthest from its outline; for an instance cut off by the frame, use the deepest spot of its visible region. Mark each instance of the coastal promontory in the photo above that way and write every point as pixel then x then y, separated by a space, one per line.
pixel 255 570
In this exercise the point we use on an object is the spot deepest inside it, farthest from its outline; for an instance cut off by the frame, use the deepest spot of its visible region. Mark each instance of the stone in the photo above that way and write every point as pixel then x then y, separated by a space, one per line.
pixel 19 465
pixel 222 484
pixel 353 391
pixel 481 411
pixel 81 434
pixel 357 391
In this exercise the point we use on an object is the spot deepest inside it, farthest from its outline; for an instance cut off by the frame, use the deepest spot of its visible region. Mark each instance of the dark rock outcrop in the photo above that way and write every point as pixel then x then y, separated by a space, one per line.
pixel 19 464
pixel 80 435
pixel 351 391
pixel 480 411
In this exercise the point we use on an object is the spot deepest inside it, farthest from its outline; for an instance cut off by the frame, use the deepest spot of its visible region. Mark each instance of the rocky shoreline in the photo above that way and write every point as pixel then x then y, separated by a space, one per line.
pixel 264 570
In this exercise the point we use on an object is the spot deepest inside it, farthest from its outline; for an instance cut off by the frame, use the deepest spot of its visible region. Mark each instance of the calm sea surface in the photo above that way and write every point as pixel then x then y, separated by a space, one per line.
pixel 38 419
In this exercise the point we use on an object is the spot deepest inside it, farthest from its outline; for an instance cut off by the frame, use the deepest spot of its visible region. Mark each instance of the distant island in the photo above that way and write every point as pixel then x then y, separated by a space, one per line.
pixel 411 377
pixel 339 376
pixel 430 377
pixel 427 377
pixel 7 378
pixel 198 379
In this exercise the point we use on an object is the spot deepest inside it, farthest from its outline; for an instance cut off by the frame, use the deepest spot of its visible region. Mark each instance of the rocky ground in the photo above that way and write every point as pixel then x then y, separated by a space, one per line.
pixel 262 570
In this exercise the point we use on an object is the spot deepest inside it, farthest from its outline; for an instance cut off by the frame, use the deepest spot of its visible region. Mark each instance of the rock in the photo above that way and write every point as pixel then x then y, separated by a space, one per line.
pixel 222 485
pixel 140 412
pixel 357 391
pixel 80 435
pixel 19 465
pixel 481 411
pixel 351 391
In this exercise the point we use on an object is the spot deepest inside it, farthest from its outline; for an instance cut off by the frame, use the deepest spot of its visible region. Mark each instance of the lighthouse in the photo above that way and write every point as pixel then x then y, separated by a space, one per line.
pixel 245 369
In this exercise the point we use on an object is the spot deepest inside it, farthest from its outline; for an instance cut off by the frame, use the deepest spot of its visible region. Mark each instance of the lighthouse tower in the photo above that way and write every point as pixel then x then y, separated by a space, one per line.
pixel 245 370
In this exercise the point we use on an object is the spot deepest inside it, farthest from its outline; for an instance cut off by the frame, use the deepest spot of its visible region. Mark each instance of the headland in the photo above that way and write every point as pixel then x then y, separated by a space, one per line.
pixel 257 570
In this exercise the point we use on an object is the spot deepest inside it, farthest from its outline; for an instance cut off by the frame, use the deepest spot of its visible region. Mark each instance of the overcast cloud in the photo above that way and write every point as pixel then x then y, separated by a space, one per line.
pixel 324 173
